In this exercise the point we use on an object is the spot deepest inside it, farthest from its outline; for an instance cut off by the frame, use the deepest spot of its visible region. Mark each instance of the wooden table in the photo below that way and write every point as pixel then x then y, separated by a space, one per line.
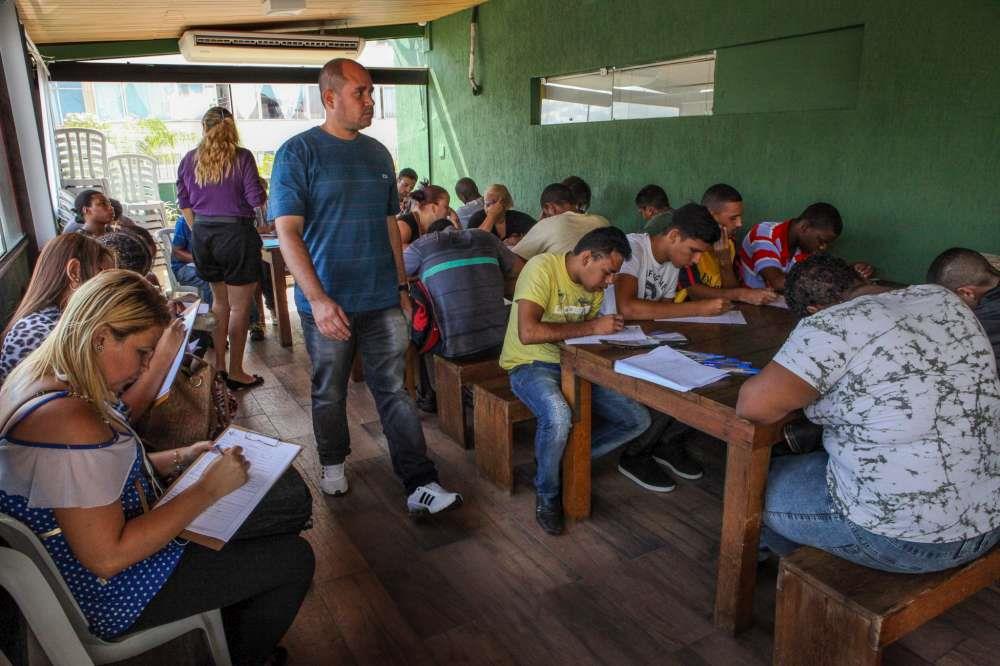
pixel 271 254
pixel 710 409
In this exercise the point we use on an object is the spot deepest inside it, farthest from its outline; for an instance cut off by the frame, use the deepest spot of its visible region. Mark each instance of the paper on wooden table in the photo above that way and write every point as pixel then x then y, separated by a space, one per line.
pixel 734 317
pixel 631 333
pixel 668 367
pixel 779 302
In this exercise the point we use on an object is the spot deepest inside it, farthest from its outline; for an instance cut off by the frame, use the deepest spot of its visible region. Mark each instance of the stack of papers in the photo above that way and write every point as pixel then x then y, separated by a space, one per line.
pixel 668 367
pixel 668 336
pixel 628 334
pixel 731 317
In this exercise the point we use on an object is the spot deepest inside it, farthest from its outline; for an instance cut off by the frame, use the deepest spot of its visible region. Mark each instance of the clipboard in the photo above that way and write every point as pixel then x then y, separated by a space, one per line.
pixel 190 314
pixel 285 455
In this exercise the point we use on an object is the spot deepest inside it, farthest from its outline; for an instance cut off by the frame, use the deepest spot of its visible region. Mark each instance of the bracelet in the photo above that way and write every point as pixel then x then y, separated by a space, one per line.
pixel 403 287
pixel 178 467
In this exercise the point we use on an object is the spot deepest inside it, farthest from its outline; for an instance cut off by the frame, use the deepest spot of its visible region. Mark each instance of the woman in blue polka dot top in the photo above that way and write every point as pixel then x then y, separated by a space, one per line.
pixel 73 470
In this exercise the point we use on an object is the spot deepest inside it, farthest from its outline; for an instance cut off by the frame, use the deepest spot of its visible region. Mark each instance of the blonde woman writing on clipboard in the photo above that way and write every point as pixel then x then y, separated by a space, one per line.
pixel 73 470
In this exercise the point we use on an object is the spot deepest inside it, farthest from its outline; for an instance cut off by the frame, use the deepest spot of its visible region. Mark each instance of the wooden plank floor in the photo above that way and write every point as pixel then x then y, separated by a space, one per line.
pixel 483 585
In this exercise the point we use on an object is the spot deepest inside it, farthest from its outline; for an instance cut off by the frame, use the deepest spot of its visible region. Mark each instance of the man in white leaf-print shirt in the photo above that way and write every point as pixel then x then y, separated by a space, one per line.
pixel 903 383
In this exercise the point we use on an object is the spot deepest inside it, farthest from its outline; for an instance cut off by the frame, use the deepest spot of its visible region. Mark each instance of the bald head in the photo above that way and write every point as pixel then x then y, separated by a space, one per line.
pixel 961 267
pixel 336 72
pixel 346 90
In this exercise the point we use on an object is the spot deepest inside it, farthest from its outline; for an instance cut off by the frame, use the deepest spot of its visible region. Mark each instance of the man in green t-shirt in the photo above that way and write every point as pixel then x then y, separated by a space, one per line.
pixel 558 296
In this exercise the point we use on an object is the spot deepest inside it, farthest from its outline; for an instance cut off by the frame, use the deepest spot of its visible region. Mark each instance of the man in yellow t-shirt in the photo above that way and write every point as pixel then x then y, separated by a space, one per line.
pixel 714 276
pixel 557 297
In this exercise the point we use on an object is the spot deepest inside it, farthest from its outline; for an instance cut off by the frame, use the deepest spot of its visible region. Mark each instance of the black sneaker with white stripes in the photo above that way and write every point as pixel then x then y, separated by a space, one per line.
pixel 643 471
pixel 430 499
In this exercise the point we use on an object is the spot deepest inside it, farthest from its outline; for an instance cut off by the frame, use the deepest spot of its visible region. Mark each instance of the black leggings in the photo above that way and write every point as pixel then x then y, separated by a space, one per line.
pixel 258 583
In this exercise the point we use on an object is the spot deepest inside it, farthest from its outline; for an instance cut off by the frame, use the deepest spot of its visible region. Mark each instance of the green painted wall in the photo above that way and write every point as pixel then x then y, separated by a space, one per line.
pixel 913 161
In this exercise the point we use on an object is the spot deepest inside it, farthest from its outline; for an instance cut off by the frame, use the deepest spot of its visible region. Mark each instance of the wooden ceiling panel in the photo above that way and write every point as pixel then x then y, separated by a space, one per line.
pixel 59 21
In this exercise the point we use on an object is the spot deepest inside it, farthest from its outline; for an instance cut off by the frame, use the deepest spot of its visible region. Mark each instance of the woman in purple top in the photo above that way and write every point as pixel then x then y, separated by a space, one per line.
pixel 218 187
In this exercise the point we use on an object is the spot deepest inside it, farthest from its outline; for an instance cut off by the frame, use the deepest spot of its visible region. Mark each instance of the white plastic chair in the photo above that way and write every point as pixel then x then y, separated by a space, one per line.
pixel 151 216
pixel 133 179
pixel 165 238
pixel 82 153
pixel 29 574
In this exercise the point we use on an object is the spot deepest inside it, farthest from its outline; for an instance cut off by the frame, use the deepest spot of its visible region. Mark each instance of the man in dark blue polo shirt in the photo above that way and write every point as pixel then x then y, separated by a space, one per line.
pixel 334 202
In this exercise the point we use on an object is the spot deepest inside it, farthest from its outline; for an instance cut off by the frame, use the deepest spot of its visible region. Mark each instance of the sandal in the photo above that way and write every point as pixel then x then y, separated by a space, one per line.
pixel 239 386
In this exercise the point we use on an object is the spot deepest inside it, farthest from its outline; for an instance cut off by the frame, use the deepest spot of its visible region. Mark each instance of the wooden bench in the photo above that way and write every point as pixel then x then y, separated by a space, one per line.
pixel 830 611
pixel 451 377
pixel 495 411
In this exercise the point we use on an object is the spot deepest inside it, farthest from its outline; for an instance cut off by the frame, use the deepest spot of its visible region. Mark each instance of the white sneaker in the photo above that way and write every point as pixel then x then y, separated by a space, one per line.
pixel 430 499
pixel 333 480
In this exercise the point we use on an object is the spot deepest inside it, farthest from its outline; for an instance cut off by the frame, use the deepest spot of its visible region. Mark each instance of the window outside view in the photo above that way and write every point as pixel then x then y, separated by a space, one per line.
pixel 162 120
pixel 671 89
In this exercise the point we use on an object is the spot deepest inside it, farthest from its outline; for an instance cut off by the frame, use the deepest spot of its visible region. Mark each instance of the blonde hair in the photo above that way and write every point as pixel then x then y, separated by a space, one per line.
pixel 505 198
pixel 217 151
pixel 119 299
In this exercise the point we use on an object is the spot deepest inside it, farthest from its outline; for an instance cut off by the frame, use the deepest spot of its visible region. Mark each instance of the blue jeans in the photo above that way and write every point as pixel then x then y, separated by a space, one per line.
pixel 382 337
pixel 188 276
pixel 798 509
pixel 616 420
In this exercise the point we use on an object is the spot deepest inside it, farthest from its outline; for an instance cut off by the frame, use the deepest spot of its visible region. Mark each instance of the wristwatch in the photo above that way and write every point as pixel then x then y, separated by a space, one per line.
pixel 403 287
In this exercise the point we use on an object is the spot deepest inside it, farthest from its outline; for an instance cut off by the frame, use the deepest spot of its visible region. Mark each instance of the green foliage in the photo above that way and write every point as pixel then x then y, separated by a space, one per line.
pixel 85 121
pixel 173 213
pixel 266 165
pixel 156 137
pixel 149 136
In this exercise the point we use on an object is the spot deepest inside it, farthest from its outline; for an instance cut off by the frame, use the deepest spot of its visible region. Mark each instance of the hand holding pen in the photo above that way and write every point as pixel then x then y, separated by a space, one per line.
pixel 227 473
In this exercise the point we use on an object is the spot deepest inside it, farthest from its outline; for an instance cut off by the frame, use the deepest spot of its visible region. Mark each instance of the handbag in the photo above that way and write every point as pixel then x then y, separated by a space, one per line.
pixel 285 509
pixel 198 408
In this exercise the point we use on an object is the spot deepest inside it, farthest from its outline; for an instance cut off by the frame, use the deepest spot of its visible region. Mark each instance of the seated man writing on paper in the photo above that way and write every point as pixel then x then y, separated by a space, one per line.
pixel 646 288
pixel 558 296
pixel 714 275
pixel 74 471
pixel 770 249
pixel 904 384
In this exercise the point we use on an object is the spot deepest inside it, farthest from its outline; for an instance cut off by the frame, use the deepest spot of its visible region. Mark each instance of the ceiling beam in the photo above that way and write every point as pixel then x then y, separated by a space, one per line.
pixel 154 47
pixel 95 71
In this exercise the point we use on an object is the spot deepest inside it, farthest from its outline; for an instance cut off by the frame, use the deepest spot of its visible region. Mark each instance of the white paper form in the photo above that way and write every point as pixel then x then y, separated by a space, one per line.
pixel 269 458
pixel 779 302
pixel 631 333
pixel 668 367
pixel 734 317
pixel 189 316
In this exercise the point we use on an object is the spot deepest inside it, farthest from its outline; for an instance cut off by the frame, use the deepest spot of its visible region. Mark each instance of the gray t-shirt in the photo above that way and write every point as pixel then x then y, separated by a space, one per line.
pixel 910 404
pixel 464 272
pixel 466 211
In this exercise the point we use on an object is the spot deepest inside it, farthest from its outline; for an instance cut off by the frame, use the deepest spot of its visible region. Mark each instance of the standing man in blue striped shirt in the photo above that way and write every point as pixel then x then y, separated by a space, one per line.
pixel 334 201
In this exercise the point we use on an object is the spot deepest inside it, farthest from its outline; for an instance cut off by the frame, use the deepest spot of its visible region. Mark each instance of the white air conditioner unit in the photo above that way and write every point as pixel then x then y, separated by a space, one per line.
pixel 271 48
